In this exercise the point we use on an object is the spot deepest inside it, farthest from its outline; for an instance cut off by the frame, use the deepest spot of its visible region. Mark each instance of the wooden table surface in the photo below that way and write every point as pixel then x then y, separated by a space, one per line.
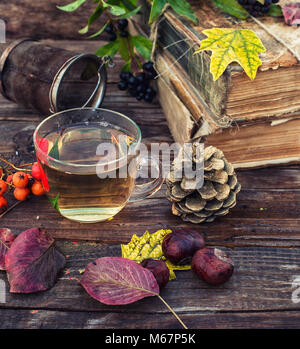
pixel 261 234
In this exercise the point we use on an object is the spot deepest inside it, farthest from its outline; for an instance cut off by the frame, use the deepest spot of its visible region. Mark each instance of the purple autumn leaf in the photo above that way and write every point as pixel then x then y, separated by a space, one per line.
pixel 6 240
pixel 291 13
pixel 117 280
pixel 33 262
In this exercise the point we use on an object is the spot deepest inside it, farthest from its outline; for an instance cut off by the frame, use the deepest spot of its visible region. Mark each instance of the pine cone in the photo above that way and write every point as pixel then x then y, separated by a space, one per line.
pixel 213 199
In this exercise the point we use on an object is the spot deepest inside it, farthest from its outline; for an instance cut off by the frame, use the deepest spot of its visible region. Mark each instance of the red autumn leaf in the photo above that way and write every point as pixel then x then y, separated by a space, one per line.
pixel 6 240
pixel 117 280
pixel 43 177
pixel 32 263
pixel 44 146
pixel 291 13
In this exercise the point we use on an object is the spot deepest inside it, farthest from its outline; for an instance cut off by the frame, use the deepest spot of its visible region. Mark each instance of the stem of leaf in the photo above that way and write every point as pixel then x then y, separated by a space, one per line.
pixel 13 166
pixel 172 311
pixel 26 165
pixel 133 57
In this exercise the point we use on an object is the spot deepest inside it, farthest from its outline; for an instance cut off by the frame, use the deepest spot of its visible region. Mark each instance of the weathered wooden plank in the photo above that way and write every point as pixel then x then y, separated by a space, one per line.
pixel 51 319
pixel 246 225
pixel 41 19
pixel 262 281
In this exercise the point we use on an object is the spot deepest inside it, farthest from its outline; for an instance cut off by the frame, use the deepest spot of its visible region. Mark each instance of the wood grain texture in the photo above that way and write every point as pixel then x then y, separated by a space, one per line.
pixel 42 19
pixel 261 285
pixel 56 319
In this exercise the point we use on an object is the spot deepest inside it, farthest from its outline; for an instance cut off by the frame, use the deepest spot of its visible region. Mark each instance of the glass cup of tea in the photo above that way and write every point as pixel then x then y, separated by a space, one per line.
pixel 89 160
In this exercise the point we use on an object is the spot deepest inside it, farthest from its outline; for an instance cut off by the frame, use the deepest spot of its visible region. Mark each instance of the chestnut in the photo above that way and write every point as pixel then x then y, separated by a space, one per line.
pixel 159 269
pixel 180 245
pixel 212 265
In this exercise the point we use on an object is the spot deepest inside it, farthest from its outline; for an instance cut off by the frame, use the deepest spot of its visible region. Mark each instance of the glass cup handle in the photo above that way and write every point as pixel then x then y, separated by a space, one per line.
pixel 147 189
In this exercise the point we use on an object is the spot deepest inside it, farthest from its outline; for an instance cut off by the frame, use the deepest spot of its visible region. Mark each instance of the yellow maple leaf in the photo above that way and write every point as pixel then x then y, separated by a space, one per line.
pixel 232 45
pixel 146 246
pixel 173 267
pixel 150 246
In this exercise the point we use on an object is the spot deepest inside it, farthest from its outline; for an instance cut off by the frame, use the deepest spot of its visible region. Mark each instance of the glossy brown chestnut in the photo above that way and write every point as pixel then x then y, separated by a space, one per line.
pixel 212 265
pixel 180 245
pixel 159 269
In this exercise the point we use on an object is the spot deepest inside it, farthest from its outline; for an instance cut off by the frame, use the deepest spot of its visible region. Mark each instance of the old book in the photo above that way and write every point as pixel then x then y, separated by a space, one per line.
pixel 273 93
pixel 247 145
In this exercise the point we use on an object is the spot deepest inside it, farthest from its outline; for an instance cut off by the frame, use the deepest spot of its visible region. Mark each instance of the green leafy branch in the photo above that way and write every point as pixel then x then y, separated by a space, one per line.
pixel 132 49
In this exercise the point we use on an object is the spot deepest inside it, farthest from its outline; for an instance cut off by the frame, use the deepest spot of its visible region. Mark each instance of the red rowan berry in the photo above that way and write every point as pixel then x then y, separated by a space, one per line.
pixel 21 194
pixel 36 172
pixel 9 179
pixel 37 188
pixel 3 204
pixel 3 186
pixel 20 179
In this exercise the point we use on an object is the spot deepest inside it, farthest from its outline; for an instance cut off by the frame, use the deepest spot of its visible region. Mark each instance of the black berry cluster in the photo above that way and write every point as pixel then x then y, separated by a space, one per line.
pixel 122 25
pixel 139 85
pixel 255 8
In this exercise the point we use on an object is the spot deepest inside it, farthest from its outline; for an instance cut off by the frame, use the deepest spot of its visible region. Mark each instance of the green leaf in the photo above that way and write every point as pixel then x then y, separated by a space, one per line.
pixel 117 10
pixel 108 50
pixel 127 67
pixel 54 152
pixel 156 9
pixel 275 11
pixel 99 32
pixel 261 1
pixel 116 7
pixel 232 7
pixel 98 12
pixel 125 48
pixel 130 4
pixel 131 13
pixel 183 8
pixel 71 7
pixel 143 46
pixel 232 45
pixel 54 202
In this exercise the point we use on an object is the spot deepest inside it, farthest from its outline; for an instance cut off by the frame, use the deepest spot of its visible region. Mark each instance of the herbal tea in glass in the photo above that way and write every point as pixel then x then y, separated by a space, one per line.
pixel 89 159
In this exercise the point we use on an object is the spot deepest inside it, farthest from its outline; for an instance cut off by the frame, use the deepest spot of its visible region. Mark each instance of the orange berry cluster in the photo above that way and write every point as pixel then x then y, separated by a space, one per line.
pixel 22 184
